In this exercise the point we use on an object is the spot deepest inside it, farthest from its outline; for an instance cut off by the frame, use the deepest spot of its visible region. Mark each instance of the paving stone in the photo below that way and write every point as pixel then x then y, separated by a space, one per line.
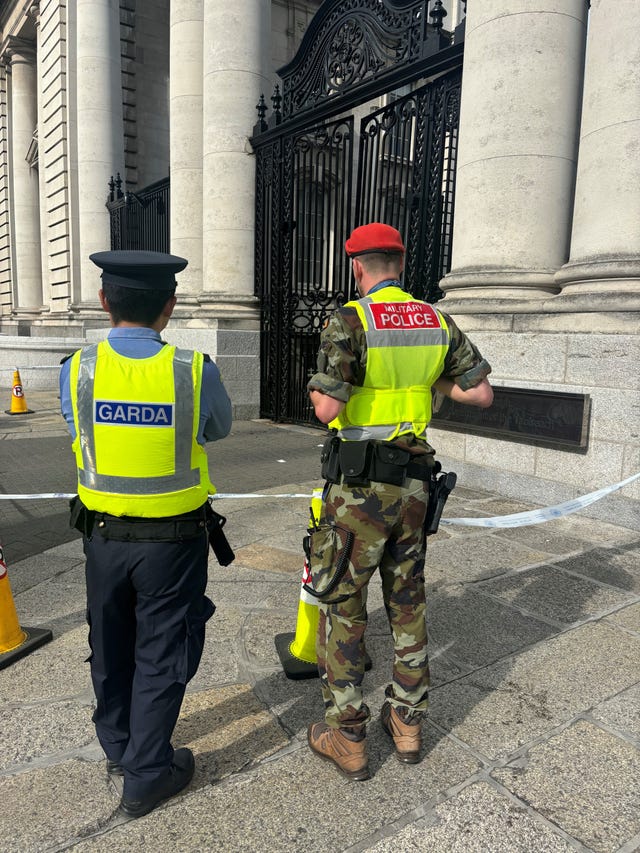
pixel 53 671
pixel 45 807
pixel 258 556
pixel 627 617
pixel 552 593
pixel 477 820
pixel 619 567
pixel 474 630
pixel 32 732
pixel 297 803
pixel 621 711
pixel 49 600
pixel 586 781
pixel 473 558
pixel 228 729
pixel 499 709
pixel 41 567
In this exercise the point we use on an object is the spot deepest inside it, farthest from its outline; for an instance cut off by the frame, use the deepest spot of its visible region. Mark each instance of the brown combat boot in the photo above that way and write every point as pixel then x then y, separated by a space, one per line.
pixel 350 757
pixel 407 736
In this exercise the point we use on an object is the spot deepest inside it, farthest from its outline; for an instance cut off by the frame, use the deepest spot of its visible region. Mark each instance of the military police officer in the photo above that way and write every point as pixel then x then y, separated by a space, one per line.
pixel 139 412
pixel 380 357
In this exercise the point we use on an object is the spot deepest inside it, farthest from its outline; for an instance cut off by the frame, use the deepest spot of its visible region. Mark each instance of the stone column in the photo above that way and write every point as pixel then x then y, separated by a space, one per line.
pixel 34 13
pixel 100 135
pixel 521 91
pixel 603 272
pixel 185 105
pixel 236 70
pixel 25 194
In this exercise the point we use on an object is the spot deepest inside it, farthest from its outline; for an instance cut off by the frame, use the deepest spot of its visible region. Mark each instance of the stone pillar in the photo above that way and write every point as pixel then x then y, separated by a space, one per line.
pixel 185 105
pixel 25 194
pixel 603 272
pixel 521 89
pixel 100 135
pixel 236 70
pixel 34 13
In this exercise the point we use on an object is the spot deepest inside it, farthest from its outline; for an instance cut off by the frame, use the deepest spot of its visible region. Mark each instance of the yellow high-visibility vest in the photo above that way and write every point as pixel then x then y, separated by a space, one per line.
pixel 407 341
pixel 136 423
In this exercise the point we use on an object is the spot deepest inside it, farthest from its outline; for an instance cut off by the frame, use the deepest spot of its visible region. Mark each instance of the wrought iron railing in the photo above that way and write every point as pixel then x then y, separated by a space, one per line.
pixel 139 220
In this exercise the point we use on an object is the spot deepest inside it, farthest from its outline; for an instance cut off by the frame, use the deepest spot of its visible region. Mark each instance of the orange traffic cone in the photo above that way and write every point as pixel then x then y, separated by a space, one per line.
pixel 18 402
pixel 297 651
pixel 15 642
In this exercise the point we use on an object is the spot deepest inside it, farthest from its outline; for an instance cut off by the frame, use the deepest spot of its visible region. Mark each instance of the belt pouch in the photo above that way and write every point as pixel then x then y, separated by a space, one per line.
pixel 330 470
pixel 389 464
pixel 355 459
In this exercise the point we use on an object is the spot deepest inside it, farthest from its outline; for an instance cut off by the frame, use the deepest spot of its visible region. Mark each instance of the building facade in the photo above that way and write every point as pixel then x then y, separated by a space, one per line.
pixel 545 265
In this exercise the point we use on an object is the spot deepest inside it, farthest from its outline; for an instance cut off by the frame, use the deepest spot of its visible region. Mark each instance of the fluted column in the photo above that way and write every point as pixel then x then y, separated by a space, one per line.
pixel 185 104
pixel 603 272
pixel 25 195
pixel 100 135
pixel 236 70
pixel 519 121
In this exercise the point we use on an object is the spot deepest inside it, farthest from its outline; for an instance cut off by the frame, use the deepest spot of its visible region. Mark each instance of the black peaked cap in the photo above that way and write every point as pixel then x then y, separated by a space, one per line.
pixel 139 270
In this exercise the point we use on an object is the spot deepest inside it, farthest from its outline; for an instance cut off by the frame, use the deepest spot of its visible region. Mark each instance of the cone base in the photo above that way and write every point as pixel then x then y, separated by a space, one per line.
pixel 36 637
pixel 28 412
pixel 294 668
pixel 297 669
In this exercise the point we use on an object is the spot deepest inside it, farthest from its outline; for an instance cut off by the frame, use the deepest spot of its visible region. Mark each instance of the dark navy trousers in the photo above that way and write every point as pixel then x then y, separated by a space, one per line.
pixel 147 610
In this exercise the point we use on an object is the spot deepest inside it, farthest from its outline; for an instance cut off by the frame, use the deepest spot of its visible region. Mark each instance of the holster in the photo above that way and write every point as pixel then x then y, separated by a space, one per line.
pixel 441 486
pixel 81 518
pixel 217 539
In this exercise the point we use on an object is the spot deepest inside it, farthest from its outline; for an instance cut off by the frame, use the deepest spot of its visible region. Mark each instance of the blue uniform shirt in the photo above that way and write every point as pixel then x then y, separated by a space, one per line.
pixel 142 342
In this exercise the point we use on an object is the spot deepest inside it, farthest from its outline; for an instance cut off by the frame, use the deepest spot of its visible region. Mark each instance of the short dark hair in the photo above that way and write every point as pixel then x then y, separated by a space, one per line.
pixel 381 262
pixel 135 306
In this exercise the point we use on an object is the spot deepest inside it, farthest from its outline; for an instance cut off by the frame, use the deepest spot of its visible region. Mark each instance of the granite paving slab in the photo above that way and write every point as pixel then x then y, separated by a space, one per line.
pixel 549 592
pixel 615 566
pixel 627 617
pixel 295 803
pixel 585 780
pixel 504 706
pixel 475 629
pixel 54 671
pixel 472 558
pixel 32 732
pixel 43 808
pixel 621 712
pixel 476 820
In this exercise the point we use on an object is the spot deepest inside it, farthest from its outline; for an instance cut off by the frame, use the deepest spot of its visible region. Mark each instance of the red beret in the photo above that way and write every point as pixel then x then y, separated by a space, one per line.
pixel 375 237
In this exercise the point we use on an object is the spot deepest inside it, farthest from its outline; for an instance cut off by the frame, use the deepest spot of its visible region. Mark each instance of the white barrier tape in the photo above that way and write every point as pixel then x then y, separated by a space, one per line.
pixel 537 516
pixel 516 519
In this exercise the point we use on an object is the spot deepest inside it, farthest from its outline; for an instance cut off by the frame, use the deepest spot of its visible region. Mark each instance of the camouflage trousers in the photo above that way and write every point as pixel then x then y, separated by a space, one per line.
pixel 387 524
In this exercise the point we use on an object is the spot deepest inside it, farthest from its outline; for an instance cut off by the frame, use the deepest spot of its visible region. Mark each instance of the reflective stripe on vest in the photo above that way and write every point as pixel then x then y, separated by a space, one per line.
pixel 184 478
pixel 136 427
pixel 407 342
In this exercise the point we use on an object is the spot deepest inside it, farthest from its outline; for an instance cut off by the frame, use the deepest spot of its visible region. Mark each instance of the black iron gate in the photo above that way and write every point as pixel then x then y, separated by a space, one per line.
pixel 365 130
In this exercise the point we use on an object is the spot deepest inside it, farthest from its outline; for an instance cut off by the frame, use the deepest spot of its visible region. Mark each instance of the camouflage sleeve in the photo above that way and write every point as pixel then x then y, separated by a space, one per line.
pixel 464 363
pixel 340 358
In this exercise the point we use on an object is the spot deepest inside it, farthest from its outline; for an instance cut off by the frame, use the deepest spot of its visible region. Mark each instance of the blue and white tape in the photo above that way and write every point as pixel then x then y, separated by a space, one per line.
pixel 516 519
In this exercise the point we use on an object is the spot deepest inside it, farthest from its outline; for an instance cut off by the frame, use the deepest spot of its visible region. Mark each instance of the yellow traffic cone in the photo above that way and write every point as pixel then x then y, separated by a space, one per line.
pixel 297 652
pixel 15 642
pixel 18 402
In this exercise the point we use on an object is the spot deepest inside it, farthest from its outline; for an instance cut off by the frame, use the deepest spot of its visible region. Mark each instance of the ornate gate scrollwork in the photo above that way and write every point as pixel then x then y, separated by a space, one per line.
pixel 365 130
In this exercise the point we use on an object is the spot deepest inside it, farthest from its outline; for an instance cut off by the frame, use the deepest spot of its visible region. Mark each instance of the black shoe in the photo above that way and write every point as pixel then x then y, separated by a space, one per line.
pixel 171 783
pixel 114 769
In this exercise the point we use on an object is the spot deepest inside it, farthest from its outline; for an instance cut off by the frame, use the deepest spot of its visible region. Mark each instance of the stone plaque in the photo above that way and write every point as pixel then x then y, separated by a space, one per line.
pixel 547 418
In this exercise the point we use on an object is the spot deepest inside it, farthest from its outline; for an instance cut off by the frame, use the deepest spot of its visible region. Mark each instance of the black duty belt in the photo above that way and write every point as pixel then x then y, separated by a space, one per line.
pixel 362 462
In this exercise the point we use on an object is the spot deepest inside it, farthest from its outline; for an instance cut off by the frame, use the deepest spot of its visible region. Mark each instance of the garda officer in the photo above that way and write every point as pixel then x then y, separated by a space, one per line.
pixel 380 358
pixel 139 412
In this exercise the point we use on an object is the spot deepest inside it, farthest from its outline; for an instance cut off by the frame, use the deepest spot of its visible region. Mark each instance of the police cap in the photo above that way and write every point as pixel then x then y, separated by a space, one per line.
pixel 376 237
pixel 138 269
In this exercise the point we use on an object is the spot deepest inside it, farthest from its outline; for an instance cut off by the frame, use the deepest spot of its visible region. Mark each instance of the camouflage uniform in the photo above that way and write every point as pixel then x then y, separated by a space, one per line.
pixel 387 523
